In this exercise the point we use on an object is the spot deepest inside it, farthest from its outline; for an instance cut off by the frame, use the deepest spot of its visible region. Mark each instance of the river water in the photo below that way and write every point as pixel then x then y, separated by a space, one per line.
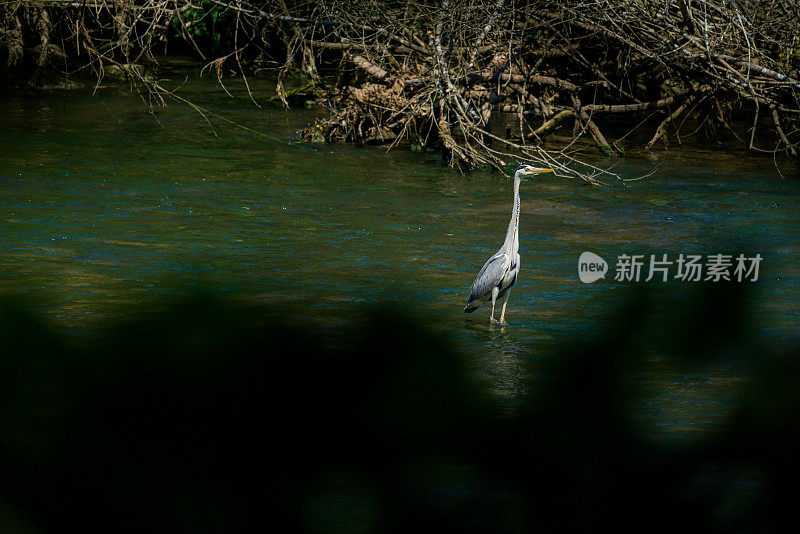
pixel 104 205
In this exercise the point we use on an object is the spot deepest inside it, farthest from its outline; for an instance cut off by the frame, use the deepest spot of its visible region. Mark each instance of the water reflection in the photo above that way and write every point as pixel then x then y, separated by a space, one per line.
pixel 504 366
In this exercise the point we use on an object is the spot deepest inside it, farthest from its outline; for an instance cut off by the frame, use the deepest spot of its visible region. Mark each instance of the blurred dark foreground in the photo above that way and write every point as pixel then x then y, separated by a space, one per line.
pixel 207 416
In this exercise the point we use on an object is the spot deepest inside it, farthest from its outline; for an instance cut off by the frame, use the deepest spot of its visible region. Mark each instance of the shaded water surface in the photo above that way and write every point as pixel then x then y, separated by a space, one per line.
pixel 104 206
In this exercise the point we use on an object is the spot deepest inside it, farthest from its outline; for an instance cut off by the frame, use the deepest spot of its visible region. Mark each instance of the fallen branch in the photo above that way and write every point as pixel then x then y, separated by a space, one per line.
pixel 370 68
pixel 690 99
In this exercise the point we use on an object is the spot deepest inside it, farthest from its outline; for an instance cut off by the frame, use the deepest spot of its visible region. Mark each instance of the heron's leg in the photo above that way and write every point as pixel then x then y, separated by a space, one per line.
pixel 495 291
pixel 505 301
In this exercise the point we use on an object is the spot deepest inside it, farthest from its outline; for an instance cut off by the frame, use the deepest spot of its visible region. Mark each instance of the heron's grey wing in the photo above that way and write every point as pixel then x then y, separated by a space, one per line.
pixel 490 276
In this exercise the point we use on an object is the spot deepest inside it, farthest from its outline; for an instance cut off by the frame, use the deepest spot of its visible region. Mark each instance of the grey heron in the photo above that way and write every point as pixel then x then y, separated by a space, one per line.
pixel 500 272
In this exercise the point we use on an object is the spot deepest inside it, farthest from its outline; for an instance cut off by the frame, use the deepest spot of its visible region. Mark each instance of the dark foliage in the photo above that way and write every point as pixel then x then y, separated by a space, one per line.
pixel 209 417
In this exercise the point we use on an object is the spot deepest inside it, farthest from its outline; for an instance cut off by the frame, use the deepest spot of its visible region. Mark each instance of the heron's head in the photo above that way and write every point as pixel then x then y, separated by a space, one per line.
pixel 526 171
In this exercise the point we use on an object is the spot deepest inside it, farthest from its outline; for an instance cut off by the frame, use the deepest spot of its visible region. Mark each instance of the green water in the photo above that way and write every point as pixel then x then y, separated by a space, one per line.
pixel 104 205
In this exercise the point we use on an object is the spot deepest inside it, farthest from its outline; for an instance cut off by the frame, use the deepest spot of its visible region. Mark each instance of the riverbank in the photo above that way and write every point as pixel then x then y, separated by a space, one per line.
pixel 481 83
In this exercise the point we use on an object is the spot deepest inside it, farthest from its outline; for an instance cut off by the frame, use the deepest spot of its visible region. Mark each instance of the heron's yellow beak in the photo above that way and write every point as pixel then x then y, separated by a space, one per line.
pixel 534 171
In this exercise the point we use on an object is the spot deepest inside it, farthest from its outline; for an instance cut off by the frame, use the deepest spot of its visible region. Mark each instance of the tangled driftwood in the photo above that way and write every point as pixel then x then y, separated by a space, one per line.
pixel 436 76
pixel 485 81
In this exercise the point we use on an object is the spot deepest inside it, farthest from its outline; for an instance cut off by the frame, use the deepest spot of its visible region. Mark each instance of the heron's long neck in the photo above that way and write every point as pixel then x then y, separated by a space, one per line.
pixel 511 237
